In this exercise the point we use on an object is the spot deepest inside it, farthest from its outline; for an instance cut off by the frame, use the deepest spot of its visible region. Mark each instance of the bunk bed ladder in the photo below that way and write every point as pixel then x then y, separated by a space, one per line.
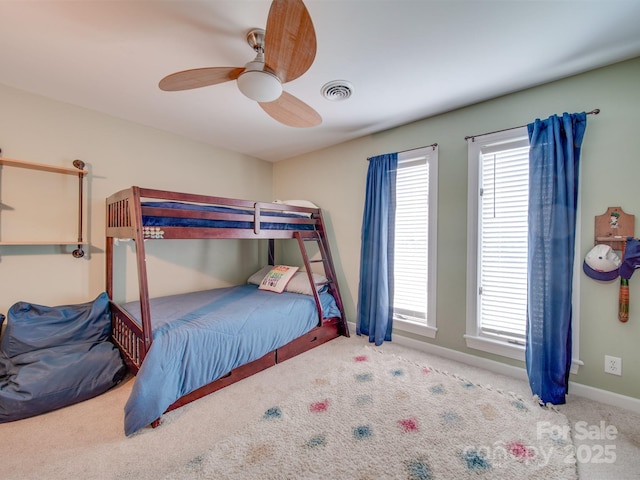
pixel 318 237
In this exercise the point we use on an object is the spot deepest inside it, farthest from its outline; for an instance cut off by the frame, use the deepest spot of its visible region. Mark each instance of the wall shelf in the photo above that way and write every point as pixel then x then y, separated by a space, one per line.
pixel 27 243
pixel 77 170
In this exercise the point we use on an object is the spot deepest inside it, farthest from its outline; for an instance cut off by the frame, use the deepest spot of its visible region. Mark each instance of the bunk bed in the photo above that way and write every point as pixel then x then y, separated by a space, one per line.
pixel 183 347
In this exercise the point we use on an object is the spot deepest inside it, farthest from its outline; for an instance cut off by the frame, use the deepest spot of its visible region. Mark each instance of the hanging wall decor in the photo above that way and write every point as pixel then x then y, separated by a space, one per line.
pixel 613 228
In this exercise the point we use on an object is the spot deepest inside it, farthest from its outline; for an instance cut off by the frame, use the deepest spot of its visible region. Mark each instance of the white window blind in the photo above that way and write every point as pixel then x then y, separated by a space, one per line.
pixel 503 227
pixel 411 264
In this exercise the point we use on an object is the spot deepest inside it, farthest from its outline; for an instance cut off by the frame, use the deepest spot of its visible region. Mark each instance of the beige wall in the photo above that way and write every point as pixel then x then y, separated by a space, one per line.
pixel 117 154
pixel 334 178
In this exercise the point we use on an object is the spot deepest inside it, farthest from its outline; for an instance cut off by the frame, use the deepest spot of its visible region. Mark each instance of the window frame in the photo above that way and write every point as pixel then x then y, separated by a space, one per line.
pixel 473 337
pixel 428 328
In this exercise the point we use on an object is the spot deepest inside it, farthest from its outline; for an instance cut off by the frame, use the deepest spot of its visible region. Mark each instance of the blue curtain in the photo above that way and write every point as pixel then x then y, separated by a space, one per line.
pixel 375 295
pixel 553 194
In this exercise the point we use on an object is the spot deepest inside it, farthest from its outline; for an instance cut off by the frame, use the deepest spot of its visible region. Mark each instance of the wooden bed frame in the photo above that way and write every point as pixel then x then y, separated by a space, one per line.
pixel 124 221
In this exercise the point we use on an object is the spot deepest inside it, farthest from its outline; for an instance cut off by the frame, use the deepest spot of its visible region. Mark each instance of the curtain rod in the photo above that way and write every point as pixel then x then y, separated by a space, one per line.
pixel 595 111
pixel 433 146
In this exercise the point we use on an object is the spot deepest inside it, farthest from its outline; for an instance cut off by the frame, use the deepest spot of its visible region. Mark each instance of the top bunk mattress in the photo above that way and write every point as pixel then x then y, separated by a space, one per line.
pixel 194 215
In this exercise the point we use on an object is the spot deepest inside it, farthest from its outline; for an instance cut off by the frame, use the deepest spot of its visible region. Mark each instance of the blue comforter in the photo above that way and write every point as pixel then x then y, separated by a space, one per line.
pixel 199 337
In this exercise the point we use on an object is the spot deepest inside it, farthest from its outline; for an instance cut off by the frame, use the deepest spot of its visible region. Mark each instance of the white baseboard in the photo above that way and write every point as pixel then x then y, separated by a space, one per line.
pixel 585 391
pixel 491 365
pixel 605 396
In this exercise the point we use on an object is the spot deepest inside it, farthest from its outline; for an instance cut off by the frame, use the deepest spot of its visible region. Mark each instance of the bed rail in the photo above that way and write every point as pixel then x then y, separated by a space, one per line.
pixel 127 335
pixel 120 215
pixel 123 220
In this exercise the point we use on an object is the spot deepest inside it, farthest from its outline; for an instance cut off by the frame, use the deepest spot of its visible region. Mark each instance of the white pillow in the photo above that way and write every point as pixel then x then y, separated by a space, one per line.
pixel 298 203
pixel 257 277
pixel 299 283
pixel 277 278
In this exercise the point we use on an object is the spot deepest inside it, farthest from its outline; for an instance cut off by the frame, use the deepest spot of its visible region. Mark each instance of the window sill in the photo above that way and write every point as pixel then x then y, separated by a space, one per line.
pixel 415 328
pixel 498 348
pixel 516 352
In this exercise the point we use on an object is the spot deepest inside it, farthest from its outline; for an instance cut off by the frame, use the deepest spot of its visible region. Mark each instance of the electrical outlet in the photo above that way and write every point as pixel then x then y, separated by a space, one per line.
pixel 613 365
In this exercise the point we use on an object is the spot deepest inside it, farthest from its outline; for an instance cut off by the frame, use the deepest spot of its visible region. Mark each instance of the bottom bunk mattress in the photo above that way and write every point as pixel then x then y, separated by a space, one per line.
pixel 199 337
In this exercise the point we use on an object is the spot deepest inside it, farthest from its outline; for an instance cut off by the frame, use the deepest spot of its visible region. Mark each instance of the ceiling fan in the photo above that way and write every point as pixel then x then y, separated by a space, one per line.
pixel 284 51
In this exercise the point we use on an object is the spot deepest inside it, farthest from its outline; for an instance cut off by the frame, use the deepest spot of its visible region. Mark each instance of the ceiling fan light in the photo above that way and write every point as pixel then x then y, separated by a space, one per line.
pixel 259 85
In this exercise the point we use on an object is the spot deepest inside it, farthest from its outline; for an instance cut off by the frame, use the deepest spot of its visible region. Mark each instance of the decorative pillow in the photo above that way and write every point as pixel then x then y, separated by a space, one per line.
pixel 277 278
pixel 32 327
pixel 299 283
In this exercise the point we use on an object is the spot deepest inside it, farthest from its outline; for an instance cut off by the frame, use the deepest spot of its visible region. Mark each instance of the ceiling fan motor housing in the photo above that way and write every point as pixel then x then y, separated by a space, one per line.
pixel 259 84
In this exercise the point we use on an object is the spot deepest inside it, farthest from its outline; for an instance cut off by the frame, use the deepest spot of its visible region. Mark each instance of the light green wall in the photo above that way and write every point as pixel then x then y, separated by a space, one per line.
pixel 118 154
pixel 334 178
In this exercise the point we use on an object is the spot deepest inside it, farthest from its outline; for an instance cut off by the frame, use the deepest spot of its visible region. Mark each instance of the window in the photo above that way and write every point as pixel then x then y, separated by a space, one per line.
pixel 497 246
pixel 414 302
pixel 497 229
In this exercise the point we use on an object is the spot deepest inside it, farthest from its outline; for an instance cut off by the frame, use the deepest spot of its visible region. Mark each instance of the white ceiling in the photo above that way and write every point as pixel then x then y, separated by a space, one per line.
pixel 407 60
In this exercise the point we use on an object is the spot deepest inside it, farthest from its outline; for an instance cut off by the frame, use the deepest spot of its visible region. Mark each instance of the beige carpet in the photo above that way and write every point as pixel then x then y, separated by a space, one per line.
pixel 377 416
pixel 87 441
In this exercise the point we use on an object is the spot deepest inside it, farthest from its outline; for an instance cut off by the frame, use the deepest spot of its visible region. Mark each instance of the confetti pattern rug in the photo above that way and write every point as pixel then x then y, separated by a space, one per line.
pixel 377 416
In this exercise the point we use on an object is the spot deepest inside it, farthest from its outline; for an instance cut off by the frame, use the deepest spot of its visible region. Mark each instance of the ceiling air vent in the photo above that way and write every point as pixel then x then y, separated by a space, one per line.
pixel 337 90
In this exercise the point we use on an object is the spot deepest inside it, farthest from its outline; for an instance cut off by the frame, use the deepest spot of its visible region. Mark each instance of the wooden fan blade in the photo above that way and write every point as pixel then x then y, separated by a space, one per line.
pixel 290 39
pixel 291 111
pixel 199 77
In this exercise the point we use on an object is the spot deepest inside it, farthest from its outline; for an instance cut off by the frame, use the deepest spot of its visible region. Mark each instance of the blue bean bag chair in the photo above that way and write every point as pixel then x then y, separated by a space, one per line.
pixel 51 357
